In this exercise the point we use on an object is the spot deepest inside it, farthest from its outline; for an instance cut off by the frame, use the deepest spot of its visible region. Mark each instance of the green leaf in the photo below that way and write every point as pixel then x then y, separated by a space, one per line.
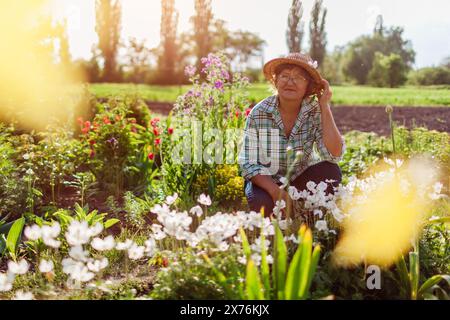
pixel 403 274
pixel 14 236
pixel 414 273
pixel 431 282
pixel 265 271
pixel 280 261
pixel 110 222
pixel 253 284
pixel 305 264
pixel 293 276
pixel 245 244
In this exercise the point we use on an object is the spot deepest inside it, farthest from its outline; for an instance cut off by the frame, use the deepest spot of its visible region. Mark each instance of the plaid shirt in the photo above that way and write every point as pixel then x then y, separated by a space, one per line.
pixel 265 146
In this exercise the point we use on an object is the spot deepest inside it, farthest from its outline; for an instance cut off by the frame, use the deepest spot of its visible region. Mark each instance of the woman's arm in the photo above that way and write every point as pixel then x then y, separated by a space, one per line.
pixel 331 136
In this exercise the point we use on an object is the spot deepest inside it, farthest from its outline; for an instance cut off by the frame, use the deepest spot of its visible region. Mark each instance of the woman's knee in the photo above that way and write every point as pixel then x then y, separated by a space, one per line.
pixel 325 171
pixel 258 198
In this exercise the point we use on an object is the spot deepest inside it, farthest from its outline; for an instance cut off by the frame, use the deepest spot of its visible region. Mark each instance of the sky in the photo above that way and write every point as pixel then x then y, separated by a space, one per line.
pixel 426 23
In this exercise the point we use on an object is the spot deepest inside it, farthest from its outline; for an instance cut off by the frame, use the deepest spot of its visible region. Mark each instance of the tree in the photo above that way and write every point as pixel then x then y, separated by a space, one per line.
pixel 64 52
pixel 387 71
pixel 360 53
pixel 167 60
pixel 379 28
pixel 318 36
pixel 202 25
pixel 138 62
pixel 108 16
pixel 295 30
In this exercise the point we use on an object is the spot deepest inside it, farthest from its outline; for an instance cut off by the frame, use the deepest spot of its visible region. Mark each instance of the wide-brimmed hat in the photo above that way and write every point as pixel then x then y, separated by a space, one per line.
pixel 302 60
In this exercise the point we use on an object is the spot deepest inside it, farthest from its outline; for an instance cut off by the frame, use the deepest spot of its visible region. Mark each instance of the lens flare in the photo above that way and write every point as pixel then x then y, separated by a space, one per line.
pixel 385 223
pixel 35 87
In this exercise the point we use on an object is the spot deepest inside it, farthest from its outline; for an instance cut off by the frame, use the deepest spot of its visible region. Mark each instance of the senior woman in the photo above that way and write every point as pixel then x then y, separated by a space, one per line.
pixel 282 130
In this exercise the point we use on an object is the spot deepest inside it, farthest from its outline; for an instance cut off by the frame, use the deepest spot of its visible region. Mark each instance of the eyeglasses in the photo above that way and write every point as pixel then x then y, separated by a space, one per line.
pixel 284 78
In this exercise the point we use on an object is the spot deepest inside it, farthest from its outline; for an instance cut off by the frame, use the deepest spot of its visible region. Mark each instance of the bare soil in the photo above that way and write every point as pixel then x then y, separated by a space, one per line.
pixel 370 118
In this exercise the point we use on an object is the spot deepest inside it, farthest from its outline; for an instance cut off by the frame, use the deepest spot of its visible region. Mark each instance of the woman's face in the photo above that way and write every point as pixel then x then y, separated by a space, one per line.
pixel 292 83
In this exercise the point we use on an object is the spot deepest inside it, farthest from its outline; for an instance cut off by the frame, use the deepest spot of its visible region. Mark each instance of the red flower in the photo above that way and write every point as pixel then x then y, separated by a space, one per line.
pixel 158 141
pixel 247 112
pixel 87 124
pixel 106 120
pixel 170 130
pixel 85 130
pixel 154 122
pixel 237 113
pixel 91 142
pixel 165 262
pixel 155 131
pixel 151 156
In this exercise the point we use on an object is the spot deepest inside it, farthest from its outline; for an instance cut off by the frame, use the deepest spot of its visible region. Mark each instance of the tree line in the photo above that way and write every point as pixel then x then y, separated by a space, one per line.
pixel 383 58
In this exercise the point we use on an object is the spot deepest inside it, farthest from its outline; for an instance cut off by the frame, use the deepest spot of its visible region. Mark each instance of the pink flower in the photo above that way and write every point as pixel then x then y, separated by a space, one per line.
pixel 218 85
pixel 190 71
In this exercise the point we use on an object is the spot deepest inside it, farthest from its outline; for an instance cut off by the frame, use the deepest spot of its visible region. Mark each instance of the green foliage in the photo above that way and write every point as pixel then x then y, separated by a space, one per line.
pixel 119 147
pixel 361 53
pixel 204 114
pixel 430 76
pixel 387 71
pixel 13 193
pixel 188 277
pixel 291 280
pixel 411 288
pixel 224 184
pixel 83 214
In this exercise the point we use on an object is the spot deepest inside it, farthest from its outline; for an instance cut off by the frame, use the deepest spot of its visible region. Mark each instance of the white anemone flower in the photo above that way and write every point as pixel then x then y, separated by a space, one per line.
pixel 78 253
pixel 204 200
pixel 97 265
pixel 96 229
pixel 46 266
pixel 5 282
pixel 318 213
pixel 51 231
pixel 321 225
pixel 284 182
pixel 124 245
pixel 197 210
pixel 105 244
pixel 171 199
pixel 33 232
pixel 150 247
pixel 78 233
pixel 20 267
pixel 20 295
pixel 158 234
pixel 81 273
pixel 136 252
pixel 293 193
pixel 50 242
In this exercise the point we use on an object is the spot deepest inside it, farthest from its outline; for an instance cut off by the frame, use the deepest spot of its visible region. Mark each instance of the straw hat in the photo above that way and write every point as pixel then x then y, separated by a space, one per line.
pixel 299 59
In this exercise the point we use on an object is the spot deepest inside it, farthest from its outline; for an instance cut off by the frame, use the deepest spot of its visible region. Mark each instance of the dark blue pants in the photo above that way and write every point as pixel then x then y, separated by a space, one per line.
pixel 258 197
